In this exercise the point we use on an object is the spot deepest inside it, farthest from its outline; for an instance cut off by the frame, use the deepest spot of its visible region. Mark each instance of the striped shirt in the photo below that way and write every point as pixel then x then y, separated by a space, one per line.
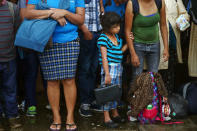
pixel 7 29
pixel 114 52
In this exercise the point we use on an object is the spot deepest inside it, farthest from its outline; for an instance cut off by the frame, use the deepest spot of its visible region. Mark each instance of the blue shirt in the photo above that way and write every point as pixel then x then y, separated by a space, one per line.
pixel 68 32
pixel 114 52
pixel 113 8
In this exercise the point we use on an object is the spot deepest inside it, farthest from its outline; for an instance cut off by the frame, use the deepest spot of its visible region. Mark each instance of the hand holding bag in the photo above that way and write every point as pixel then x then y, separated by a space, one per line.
pixel 108 93
pixel 182 21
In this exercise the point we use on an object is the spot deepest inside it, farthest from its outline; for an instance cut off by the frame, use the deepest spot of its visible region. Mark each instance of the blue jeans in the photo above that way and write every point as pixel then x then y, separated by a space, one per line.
pixel 30 65
pixel 8 87
pixel 87 68
pixel 150 52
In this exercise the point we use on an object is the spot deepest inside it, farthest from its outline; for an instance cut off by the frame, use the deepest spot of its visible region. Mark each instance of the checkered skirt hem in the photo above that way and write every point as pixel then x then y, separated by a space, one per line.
pixel 60 61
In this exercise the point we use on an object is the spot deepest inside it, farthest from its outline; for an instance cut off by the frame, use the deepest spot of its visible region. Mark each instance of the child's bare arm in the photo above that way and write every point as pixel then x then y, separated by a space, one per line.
pixel 105 64
pixel 124 48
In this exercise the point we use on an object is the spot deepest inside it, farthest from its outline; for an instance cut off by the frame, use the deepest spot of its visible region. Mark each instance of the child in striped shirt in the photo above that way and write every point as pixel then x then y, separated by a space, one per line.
pixel 110 58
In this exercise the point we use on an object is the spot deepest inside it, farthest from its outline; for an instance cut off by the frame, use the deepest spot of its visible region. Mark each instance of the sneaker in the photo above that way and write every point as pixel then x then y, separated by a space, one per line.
pixel 110 124
pixel 130 118
pixel 22 106
pixel 14 123
pixel 85 111
pixel 31 111
pixel 48 107
pixel 96 107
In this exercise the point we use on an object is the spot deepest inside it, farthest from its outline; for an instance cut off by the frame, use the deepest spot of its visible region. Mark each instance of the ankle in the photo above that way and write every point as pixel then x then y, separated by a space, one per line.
pixel 57 119
pixel 115 113
pixel 70 120
pixel 106 116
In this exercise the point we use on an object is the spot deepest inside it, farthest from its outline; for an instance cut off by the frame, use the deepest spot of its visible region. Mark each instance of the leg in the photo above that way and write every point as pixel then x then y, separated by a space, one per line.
pixel 106 116
pixel 30 77
pixel 140 51
pixel 88 61
pixel 115 113
pixel 1 97
pixel 94 66
pixel 153 57
pixel 70 93
pixel 9 87
pixel 53 91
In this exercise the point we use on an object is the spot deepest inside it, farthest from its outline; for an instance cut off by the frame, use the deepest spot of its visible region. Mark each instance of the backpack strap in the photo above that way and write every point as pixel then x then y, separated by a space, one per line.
pixel 158 4
pixel 11 9
pixel 136 7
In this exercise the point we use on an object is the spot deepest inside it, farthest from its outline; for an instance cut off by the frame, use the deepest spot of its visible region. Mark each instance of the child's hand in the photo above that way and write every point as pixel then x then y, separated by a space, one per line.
pixel 131 36
pixel 107 79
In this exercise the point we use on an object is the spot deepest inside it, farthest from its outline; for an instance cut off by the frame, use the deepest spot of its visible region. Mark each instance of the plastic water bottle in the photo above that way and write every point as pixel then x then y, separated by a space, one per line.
pixel 149 107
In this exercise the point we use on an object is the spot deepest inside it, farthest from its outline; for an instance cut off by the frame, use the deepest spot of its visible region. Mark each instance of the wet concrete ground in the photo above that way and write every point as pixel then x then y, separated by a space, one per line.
pixel 44 118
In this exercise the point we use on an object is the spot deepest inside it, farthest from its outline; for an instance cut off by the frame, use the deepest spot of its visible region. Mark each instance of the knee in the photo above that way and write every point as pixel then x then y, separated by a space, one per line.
pixel 68 82
pixel 53 83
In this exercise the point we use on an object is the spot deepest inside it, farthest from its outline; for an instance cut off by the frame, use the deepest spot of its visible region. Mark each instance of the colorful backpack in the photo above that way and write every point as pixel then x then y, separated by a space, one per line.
pixel 158 110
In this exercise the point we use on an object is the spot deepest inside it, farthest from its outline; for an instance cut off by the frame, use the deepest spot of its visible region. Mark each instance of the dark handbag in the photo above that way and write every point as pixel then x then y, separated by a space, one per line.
pixel 108 93
pixel 178 105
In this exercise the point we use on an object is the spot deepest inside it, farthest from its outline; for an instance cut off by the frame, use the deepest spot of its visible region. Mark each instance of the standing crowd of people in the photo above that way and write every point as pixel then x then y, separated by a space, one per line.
pixel 91 37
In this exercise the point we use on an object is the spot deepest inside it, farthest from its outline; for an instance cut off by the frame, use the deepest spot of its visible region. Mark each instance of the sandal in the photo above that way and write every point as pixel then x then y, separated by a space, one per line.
pixel 56 127
pixel 70 127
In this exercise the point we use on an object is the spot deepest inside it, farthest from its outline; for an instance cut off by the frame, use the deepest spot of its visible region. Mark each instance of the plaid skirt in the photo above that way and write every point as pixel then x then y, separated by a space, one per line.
pixel 115 71
pixel 60 61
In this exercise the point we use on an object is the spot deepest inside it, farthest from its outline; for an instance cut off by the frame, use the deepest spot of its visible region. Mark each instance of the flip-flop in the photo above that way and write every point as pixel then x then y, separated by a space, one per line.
pixel 56 127
pixel 70 126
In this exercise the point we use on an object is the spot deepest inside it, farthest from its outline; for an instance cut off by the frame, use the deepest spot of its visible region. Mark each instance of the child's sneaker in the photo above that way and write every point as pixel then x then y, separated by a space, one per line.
pixel 31 111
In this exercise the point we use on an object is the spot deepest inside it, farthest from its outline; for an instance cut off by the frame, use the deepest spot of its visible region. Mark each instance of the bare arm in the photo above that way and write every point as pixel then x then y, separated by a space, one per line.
pixel 86 33
pixel 75 18
pixel 124 48
pixel 22 13
pixel 102 10
pixel 128 27
pixel 32 13
pixel 164 31
pixel 105 64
